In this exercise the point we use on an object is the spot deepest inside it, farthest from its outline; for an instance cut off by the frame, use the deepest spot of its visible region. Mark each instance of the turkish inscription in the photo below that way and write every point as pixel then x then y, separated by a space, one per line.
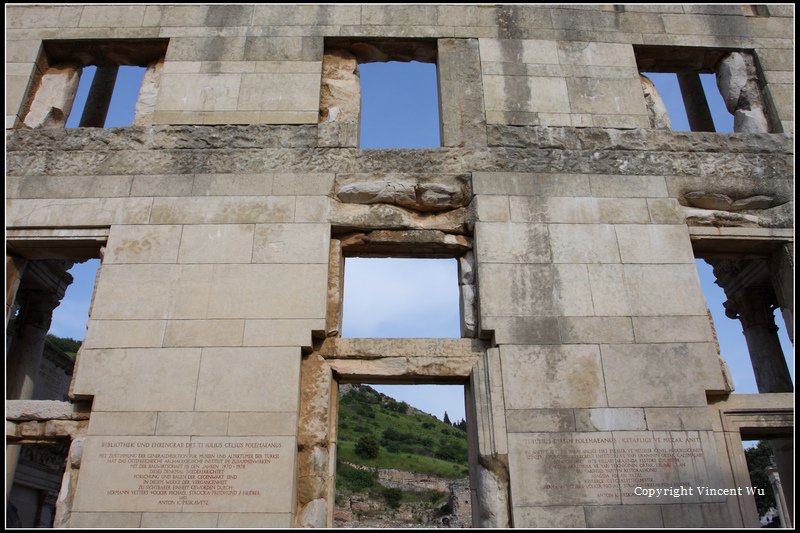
pixel 602 467
pixel 246 474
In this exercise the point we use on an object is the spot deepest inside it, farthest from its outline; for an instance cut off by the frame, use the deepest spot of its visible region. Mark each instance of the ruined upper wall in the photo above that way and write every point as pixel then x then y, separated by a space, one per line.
pixel 550 66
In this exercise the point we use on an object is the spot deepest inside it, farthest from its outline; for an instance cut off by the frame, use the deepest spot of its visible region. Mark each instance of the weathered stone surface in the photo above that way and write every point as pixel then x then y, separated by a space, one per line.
pixel 53 101
pixel 738 82
pixel 421 193
pixel 340 99
pixel 314 514
pixel 148 92
pixel 383 216
pixel 45 410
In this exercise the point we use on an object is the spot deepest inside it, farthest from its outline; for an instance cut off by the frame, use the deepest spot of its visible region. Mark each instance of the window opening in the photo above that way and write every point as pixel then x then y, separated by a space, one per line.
pixel 397 465
pixel 668 87
pixel 733 344
pixel 120 102
pixel 399 105
pixel 401 298
pixel 761 467
pixel 53 295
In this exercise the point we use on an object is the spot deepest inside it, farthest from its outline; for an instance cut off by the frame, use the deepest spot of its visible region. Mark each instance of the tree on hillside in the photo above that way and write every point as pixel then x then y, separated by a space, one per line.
pixel 367 447
pixel 447 419
pixel 758 458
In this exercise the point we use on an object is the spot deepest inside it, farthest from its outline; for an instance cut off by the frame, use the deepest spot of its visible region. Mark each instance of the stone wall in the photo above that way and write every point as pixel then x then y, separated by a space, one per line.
pixel 575 219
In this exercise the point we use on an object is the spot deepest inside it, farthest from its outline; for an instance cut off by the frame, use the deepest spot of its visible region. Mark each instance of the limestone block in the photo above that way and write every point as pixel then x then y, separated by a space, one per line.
pixel 696 515
pixel 673 418
pixel 384 216
pixel 312 209
pixel 111 16
pixel 466 269
pixel 596 54
pixel 223 210
pixel 419 192
pixel 77 212
pixel 44 410
pixel 116 423
pixel 573 294
pixel 467 308
pixel 217 48
pixel 549 517
pixel 539 420
pixel 653 375
pixel 533 51
pixel 609 294
pixel 179 520
pixel 76 452
pixel 656 290
pixel 199 92
pixel 656 109
pixel 284 49
pixel 737 79
pixel 201 333
pixel 461 93
pixel 731 78
pixel 672 329
pixel 533 184
pixel 511 242
pixel 665 211
pixel 53 100
pixel 135 291
pixel 142 244
pixel 104 520
pixel 148 93
pixel 63 428
pixel 162 185
pixel 614 186
pixel 750 121
pixel 397 15
pixel 110 375
pixel 314 514
pixel 340 99
pixel 652 243
pixel 171 423
pixel 492 208
pixel 561 465
pixel 31 16
pixel 580 330
pixel 624 516
pixel 16 91
pixel 608 419
pixel 240 291
pixel 74 186
pixel 522 329
pixel 772 59
pixel 291 332
pixel 124 333
pixel 291 243
pixel 525 93
pixel 579 210
pixel 279 92
pixel 516 290
pixel 302 15
pixel 550 376
pixel 26 51
pixel 232 185
pixel 583 243
pixel 216 243
pixel 254 423
pixel 606 96
pixel 248 379
pixel 254 520
pixel 302 184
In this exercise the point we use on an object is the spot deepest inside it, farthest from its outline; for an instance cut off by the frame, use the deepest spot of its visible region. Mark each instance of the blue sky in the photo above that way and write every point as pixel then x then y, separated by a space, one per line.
pixel 404 116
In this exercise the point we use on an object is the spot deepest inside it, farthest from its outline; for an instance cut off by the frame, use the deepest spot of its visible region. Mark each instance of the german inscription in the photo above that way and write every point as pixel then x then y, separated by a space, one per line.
pixel 198 474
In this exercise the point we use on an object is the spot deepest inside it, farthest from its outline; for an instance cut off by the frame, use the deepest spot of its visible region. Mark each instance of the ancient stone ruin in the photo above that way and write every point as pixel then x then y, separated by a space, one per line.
pixel 204 394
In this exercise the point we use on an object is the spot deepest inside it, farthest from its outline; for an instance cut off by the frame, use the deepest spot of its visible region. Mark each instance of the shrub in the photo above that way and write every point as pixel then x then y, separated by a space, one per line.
pixel 367 447
pixel 393 497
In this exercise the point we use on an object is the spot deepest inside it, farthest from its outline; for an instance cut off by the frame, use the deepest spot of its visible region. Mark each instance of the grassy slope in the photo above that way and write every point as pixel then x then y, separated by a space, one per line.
pixel 412 442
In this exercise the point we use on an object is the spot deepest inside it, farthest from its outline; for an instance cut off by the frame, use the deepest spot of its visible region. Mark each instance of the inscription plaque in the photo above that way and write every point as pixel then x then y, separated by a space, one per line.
pixel 606 467
pixel 181 474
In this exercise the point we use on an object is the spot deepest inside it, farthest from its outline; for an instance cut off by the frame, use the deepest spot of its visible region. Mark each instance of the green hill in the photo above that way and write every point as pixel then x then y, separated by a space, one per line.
pixel 408 439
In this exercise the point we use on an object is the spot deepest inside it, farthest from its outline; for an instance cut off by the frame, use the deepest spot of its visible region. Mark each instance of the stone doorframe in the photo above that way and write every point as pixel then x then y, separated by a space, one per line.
pixel 468 361
pixel 754 416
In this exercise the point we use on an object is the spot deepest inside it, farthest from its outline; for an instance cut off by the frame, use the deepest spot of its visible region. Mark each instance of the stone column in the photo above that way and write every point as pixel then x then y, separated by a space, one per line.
pixel 781 267
pixel 94 114
pixel 694 99
pixel 783 455
pixel 754 308
pixel 15 267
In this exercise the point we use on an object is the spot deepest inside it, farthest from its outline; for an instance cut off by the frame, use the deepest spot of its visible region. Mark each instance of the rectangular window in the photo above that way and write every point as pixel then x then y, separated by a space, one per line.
pixel 380 94
pixel 401 298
